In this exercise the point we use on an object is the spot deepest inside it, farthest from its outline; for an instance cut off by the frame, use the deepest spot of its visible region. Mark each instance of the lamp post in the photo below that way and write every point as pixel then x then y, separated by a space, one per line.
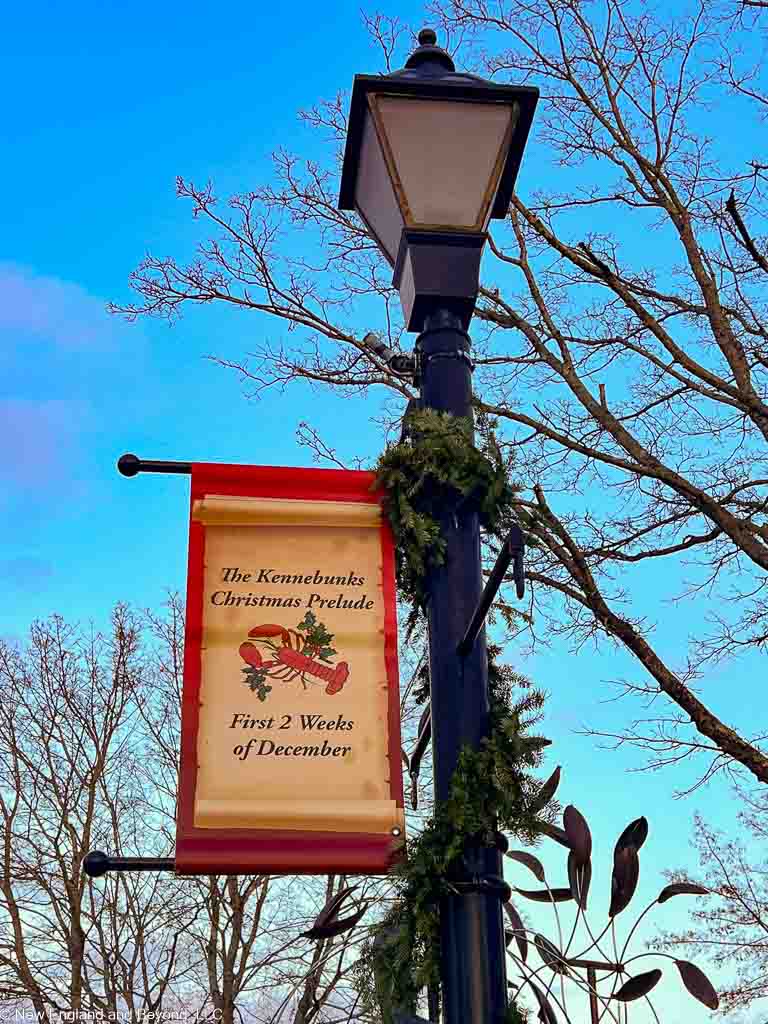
pixel 431 156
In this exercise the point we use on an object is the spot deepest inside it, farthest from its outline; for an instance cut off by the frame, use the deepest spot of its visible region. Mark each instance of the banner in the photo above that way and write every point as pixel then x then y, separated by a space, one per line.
pixel 290 746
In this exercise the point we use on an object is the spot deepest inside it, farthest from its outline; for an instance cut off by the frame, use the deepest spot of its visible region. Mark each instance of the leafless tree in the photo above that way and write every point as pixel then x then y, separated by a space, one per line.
pixel 69 782
pixel 88 759
pixel 731 926
pixel 621 335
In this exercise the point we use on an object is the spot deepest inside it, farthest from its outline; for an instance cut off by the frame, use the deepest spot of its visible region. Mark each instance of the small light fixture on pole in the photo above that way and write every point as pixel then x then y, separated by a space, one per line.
pixel 431 156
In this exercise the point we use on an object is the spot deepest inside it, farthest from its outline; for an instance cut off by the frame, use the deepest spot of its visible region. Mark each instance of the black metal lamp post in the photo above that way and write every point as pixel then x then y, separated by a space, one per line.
pixel 431 156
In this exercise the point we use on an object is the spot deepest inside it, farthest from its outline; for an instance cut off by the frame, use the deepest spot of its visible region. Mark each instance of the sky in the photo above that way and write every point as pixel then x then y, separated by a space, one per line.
pixel 105 105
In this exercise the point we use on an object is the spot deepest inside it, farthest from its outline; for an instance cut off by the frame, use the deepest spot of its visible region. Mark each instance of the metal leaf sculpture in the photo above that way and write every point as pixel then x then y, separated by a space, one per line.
pixel 698 984
pixel 327 924
pixel 577 839
pixel 579 878
pixel 546 895
pixel 681 889
pixel 558 834
pixel 634 834
pixel 626 865
pixel 334 903
pixel 532 863
pixel 626 871
pixel 337 927
pixel 550 954
pixel 638 986
pixel 546 1013
pixel 518 930
pixel 547 791
pixel 423 737
pixel 579 836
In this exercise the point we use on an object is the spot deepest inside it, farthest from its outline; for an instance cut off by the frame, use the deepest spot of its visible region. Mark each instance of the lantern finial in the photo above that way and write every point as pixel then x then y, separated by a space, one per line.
pixel 429 56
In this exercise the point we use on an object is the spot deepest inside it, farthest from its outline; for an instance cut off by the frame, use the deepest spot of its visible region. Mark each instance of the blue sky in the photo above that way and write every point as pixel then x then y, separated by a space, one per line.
pixel 109 103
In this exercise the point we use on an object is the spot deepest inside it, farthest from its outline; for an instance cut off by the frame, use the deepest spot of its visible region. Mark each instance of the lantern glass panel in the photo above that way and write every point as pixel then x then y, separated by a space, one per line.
pixel 445 157
pixel 375 197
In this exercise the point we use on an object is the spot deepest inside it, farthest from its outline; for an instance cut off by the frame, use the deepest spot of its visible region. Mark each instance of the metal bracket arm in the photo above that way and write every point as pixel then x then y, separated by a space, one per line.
pixel 130 465
pixel 96 863
pixel 512 550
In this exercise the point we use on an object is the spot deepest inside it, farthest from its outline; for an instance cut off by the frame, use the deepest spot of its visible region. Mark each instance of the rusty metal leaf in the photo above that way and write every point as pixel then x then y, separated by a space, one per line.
pixel 422 740
pixel 333 906
pixel 634 834
pixel 335 927
pixel 579 878
pixel 577 831
pixel 330 910
pixel 637 987
pixel 425 721
pixel 681 889
pixel 547 1014
pixel 550 954
pixel 698 984
pixel 423 737
pixel 547 791
pixel 532 863
pixel 554 832
pixel 546 895
pixel 626 871
pixel 518 929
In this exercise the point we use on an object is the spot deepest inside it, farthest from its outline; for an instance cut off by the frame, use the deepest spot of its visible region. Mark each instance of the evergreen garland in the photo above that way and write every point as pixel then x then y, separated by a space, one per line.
pixel 492 788
pixel 434 462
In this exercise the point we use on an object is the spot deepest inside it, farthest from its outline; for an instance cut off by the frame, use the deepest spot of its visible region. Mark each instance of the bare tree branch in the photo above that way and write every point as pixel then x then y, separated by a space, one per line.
pixel 621 334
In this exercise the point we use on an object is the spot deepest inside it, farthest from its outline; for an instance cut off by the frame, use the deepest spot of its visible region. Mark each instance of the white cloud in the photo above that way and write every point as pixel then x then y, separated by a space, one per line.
pixel 34 307
pixel 37 439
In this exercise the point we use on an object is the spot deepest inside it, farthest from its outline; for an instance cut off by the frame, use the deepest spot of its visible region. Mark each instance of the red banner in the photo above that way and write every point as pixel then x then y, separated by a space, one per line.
pixel 290 735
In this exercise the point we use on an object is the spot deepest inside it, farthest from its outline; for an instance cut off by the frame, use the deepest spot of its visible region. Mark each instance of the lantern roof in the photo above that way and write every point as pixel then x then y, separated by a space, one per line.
pixel 429 73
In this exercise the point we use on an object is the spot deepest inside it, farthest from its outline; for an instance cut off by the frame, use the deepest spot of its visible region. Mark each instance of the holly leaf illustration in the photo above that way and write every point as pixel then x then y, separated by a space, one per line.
pixel 317 639
pixel 255 681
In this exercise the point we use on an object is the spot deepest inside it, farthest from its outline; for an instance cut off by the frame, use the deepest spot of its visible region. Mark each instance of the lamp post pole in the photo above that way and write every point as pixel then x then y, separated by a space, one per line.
pixel 473 967
pixel 431 156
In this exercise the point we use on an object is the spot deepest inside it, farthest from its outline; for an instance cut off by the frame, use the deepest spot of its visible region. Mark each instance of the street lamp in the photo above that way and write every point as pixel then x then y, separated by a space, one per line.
pixel 431 156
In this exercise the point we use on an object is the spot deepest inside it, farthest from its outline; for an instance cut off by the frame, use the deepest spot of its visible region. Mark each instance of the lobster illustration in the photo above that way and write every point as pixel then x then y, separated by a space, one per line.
pixel 295 654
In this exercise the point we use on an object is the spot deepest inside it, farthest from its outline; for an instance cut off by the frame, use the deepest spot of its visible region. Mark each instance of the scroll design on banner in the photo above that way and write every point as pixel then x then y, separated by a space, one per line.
pixel 304 653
